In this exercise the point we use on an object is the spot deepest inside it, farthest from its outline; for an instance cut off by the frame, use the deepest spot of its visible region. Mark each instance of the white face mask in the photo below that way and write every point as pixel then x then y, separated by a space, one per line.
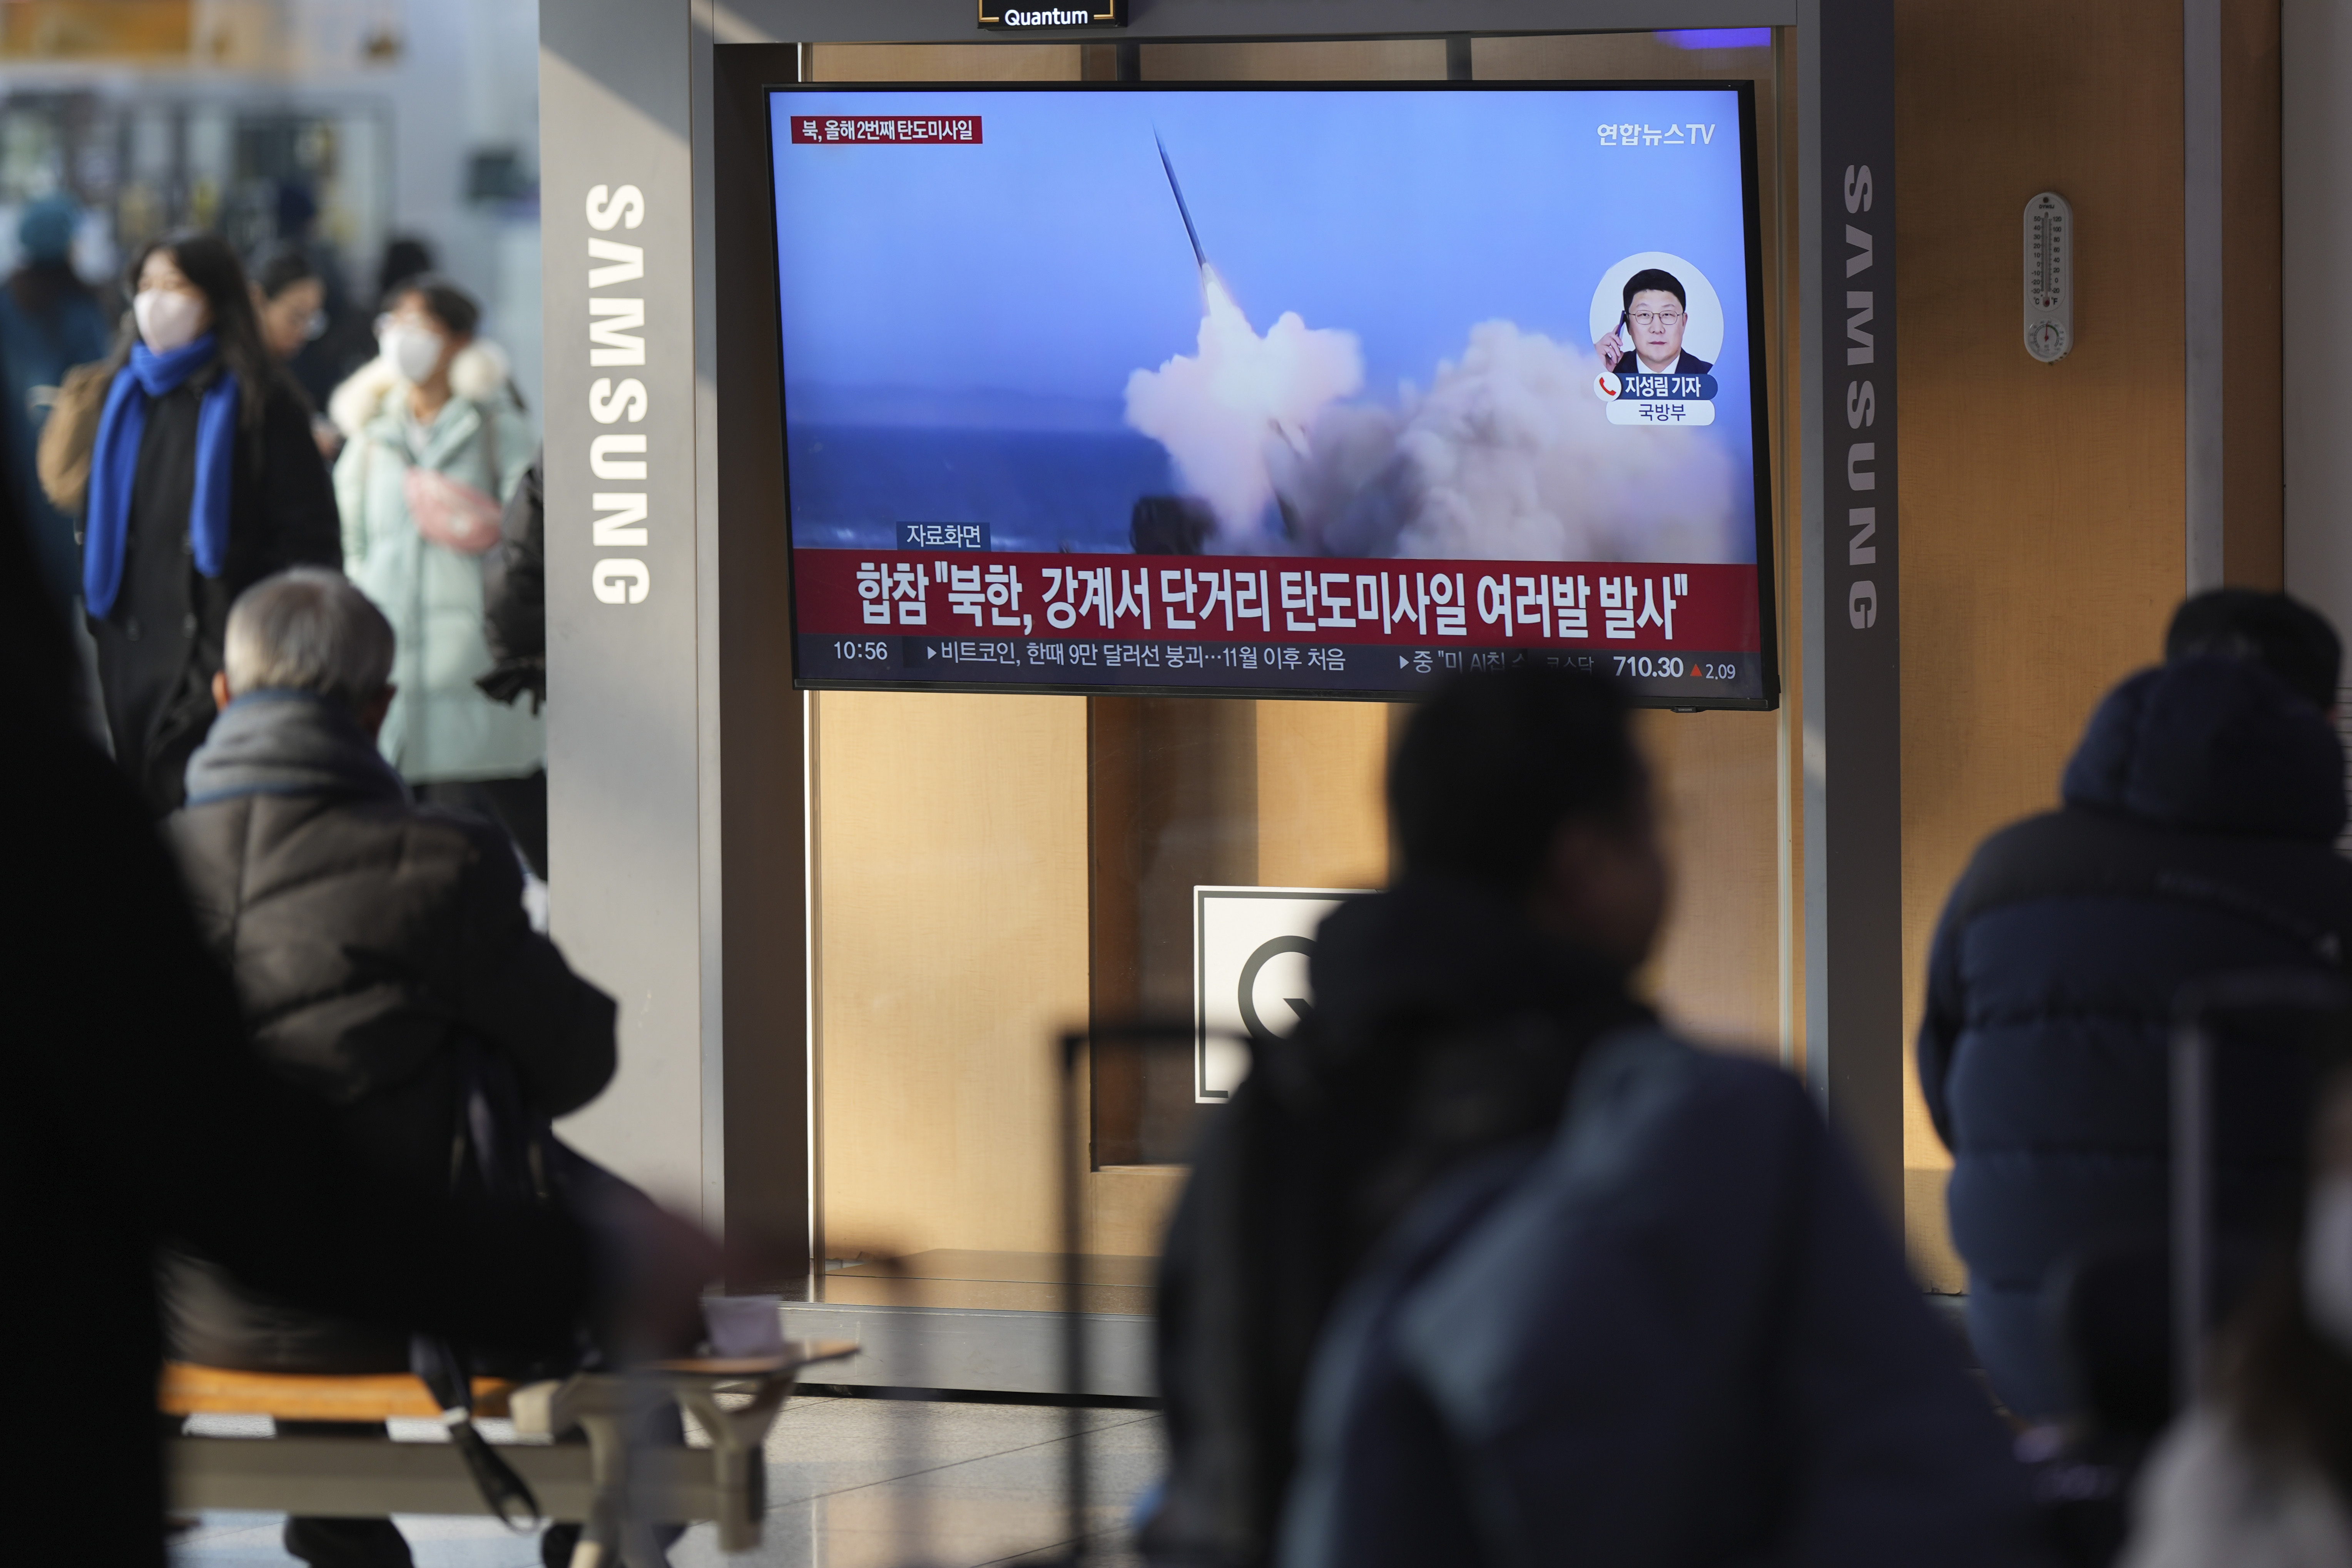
pixel 2327 1259
pixel 167 318
pixel 414 350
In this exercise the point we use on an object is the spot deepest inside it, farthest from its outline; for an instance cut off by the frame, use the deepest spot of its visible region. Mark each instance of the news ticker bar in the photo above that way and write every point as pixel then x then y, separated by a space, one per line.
pixel 1701 678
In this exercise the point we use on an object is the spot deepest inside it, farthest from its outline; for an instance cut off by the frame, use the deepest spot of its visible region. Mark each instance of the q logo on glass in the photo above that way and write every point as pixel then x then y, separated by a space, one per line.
pixel 1245 995
pixel 1251 947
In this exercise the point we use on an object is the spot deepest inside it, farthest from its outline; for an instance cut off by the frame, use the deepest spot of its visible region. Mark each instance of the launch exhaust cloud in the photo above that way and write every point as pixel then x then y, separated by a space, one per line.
pixel 1507 455
pixel 1221 413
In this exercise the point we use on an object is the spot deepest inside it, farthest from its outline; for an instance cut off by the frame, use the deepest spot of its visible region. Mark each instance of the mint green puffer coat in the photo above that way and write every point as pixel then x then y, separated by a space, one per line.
pixel 441 727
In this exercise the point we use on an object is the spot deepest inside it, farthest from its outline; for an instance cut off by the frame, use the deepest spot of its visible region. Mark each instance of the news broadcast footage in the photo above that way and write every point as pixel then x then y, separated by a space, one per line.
pixel 1312 392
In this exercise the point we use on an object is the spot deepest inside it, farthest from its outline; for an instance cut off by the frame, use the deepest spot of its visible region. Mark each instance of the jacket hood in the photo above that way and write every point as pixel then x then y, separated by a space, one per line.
pixel 2213 745
pixel 1444 949
pixel 477 374
pixel 288 743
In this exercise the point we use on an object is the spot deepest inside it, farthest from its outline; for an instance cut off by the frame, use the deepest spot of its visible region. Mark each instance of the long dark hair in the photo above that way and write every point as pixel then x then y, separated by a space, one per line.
pixel 208 262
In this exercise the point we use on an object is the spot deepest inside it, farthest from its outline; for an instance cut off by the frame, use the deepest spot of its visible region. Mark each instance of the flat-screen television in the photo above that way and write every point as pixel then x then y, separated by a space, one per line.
pixel 1299 390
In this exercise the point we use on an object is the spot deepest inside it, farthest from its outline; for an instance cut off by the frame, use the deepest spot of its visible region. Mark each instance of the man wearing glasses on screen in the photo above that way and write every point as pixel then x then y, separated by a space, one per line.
pixel 1654 315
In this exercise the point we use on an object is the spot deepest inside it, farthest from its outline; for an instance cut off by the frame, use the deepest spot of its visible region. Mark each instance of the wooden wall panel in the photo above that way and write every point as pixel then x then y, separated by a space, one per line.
pixel 1322 821
pixel 2041 504
pixel 1716 969
pixel 951 947
pixel 1172 793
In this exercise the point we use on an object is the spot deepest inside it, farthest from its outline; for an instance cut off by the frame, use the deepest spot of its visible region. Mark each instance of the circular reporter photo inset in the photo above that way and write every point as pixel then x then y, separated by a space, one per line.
pixel 1703 327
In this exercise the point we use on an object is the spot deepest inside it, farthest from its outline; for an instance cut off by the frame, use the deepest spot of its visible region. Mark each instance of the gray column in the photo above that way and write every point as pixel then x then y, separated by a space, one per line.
pixel 674 820
pixel 2315 39
pixel 625 753
pixel 1852 690
pixel 2207 311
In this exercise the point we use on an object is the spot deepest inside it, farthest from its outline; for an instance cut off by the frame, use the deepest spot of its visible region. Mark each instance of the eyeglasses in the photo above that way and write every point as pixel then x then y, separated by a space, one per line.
pixel 1655 318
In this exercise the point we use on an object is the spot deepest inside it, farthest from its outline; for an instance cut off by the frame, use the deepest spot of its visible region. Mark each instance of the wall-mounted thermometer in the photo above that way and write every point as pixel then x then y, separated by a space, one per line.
pixel 2049 277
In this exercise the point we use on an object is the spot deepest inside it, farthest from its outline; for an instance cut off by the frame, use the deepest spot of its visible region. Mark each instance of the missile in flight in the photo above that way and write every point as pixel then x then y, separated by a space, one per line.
pixel 1178 190
pixel 1287 431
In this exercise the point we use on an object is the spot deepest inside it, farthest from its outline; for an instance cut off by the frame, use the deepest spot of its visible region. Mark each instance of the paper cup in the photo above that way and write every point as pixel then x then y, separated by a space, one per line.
pixel 743 1326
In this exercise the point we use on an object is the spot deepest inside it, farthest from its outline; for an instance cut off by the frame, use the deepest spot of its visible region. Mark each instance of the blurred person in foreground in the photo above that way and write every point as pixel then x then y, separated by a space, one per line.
pixel 437 444
pixel 381 950
pixel 202 479
pixel 138 1113
pixel 1483 1265
pixel 2258 1472
pixel 289 300
pixel 2196 836
pixel 50 321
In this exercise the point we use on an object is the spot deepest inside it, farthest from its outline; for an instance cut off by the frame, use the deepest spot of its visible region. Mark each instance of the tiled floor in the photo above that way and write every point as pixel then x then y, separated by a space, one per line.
pixel 852 1483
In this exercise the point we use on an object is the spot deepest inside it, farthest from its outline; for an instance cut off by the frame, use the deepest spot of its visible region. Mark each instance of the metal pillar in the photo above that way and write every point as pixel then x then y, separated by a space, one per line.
pixel 1852 689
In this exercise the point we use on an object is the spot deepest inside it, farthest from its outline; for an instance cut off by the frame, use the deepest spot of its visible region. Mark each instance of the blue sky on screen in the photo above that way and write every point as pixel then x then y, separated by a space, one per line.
pixel 1050 260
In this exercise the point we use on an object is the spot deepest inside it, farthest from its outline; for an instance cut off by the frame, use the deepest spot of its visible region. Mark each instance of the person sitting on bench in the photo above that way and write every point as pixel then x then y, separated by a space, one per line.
pixel 137 1111
pixel 383 954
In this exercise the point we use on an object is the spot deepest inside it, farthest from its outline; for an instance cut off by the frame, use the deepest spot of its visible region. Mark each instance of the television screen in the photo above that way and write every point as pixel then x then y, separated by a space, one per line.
pixel 1306 392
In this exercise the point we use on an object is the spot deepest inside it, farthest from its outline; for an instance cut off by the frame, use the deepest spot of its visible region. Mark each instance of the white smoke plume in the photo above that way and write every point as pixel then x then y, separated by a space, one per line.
pixel 1508 456
pixel 1225 415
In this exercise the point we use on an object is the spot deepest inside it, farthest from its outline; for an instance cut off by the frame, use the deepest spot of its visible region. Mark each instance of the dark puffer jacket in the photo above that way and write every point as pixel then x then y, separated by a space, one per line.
pixel 2195 839
pixel 368 937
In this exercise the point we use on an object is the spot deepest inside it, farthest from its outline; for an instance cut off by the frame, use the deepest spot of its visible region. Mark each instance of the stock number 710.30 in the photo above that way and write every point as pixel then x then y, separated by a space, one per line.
pixel 1672 667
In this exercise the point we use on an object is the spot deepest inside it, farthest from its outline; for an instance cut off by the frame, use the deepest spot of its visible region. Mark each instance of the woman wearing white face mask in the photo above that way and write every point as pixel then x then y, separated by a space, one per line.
pixel 2259 1473
pixel 436 442
pixel 203 480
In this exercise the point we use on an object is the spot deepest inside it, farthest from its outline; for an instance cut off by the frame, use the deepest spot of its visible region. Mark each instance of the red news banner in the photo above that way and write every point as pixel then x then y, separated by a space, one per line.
pixel 1600 607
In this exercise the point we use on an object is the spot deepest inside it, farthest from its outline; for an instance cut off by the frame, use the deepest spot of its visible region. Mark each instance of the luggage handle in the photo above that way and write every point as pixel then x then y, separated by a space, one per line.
pixel 1073 1046
pixel 2193 1006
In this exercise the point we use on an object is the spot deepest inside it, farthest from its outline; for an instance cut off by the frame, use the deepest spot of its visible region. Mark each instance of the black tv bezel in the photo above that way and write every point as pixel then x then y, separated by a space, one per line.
pixel 1759 402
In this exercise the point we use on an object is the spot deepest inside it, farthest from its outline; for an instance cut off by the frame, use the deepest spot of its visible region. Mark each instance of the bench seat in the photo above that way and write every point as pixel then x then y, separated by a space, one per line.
pixel 615 1488
pixel 191 1390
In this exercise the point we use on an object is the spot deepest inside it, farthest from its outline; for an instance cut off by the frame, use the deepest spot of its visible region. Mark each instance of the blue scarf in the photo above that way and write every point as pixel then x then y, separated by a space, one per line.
pixel 114 465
